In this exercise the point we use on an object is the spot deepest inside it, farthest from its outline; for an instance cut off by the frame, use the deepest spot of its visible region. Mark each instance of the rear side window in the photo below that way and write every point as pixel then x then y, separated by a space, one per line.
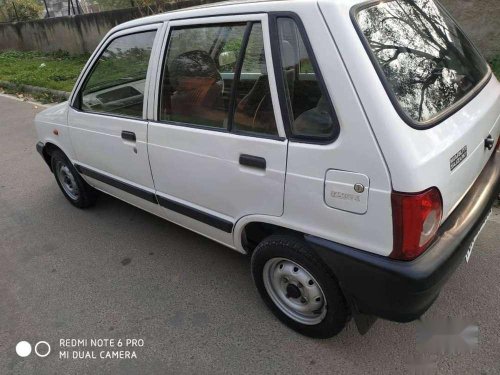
pixel 427 61
pixel 116 84
pixel 215 76
pixel 310 111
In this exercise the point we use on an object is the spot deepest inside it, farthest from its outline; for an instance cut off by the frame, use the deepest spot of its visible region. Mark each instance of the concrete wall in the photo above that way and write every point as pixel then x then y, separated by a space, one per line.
pixel 75 34
pixel 82 33
pixel 481 21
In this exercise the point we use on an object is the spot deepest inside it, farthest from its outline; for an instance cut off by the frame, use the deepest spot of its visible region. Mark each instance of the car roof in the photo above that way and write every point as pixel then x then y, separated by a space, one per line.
pixel 222 8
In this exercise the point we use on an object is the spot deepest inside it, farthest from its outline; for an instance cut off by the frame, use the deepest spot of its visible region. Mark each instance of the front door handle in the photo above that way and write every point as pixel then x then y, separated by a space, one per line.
pixel 128 136
pixel 253 161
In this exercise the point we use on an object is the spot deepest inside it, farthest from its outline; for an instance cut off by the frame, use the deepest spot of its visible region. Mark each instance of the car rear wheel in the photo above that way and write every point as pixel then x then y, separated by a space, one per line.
pixel 75 189
pixel 298 287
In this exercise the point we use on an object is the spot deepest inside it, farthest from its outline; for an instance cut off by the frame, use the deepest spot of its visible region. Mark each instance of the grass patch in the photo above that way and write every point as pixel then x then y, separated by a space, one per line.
pixel 495 64
pixel 57 70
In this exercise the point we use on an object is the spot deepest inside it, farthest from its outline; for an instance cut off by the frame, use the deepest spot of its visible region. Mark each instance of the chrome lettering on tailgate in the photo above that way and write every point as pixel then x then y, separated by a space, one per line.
pixel 458 158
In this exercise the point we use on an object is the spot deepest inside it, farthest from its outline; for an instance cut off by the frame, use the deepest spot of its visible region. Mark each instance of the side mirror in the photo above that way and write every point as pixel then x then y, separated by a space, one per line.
pixel 227 58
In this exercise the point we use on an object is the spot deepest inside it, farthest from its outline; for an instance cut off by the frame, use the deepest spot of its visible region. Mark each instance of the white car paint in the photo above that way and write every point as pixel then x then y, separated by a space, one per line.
pixel 216 181
pixel 193 166
pixel 417 159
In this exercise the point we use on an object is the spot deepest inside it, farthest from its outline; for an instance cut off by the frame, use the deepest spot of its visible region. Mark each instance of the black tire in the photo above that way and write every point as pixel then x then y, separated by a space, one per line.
pixel 84 195
pixel 297 251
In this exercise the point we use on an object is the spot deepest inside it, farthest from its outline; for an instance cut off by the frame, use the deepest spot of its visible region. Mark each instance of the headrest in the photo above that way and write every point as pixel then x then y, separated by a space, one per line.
pixel 193 64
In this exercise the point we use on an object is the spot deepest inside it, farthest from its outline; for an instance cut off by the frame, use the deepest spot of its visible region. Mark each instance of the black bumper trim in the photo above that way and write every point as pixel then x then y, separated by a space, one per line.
pixel 403 291
pixel 39 148
pixel 180 208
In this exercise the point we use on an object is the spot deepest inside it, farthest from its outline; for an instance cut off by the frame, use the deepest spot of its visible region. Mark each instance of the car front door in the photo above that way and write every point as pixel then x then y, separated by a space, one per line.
pixel 107 121
pixel 217 145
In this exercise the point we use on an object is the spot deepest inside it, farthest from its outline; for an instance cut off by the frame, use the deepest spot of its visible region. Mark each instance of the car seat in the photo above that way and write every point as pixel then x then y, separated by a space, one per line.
pixel 195 85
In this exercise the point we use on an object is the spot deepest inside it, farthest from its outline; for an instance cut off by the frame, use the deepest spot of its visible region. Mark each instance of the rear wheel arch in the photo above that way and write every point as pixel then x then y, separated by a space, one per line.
pixel 254 232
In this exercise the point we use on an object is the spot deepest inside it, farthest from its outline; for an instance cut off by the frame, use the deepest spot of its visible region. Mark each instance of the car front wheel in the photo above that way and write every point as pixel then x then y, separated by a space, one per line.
pixel 75 189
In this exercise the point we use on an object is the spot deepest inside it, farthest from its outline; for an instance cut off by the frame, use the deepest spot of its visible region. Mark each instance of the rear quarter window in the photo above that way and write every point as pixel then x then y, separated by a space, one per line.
pixel 429 66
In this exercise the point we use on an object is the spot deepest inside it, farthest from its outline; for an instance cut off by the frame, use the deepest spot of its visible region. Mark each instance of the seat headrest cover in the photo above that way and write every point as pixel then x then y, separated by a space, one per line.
pixel 193 64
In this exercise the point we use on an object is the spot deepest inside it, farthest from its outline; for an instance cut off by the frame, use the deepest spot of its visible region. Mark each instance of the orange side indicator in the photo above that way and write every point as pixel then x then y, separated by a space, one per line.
pixel 55 131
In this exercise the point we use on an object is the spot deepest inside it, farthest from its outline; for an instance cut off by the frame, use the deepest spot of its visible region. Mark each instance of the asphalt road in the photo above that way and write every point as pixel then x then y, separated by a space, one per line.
pixel 117 272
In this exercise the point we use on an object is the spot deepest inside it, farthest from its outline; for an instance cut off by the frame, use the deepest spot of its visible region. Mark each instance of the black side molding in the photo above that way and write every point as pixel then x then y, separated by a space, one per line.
pixel 253 161
pixel 193 213
pixel 144 194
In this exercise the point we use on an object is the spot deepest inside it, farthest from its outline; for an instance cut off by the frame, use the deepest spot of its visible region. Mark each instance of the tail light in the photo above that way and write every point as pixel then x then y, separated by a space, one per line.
pixel 416 219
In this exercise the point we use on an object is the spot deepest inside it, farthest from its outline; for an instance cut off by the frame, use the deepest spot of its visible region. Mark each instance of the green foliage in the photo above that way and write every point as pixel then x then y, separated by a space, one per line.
pixel 22 10
pixel 118 66
pixel 114 4
pixel 57 70
pixel 495 64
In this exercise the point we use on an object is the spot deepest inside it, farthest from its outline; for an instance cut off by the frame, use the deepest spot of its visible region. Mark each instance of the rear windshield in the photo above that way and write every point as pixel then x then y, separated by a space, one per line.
pixel 428 62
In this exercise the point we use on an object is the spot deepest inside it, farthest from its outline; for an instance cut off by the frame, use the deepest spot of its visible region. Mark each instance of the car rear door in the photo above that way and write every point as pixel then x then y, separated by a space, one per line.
pixel 217 146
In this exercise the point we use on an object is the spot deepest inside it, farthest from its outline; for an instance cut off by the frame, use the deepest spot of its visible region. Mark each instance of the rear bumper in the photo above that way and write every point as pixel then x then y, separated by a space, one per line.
pixel 403 291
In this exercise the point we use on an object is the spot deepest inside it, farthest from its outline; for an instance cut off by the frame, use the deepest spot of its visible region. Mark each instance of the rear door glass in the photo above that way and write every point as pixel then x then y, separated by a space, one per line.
pixel 428 62
pixel 215 76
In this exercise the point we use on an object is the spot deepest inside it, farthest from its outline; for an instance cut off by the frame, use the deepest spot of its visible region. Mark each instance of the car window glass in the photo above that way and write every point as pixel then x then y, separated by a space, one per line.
pixel 311 113
pixel 116 83
pixel 428 62
pixel 199 79
pixel 193 88
pixel 254 111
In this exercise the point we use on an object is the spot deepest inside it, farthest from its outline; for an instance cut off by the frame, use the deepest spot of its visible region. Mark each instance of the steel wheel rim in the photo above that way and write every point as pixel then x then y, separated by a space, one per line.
pixel 284 280
pixel 67 181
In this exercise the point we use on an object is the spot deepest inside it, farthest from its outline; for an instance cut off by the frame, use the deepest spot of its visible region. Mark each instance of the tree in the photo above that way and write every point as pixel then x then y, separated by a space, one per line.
pixel 22 10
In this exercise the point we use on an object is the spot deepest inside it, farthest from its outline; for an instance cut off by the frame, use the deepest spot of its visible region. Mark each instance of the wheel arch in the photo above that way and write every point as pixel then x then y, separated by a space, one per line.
pixel 251 230
pixel 47 150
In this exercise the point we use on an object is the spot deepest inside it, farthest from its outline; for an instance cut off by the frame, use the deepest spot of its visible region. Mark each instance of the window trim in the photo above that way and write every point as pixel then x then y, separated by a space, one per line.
pixel 442 116
pixel 285 108
pixel 75 98
pixel 237 75
pixel 220 19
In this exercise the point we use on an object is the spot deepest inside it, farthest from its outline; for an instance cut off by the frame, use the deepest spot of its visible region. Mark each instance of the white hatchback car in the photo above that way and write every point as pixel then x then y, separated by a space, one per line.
pixel 350 147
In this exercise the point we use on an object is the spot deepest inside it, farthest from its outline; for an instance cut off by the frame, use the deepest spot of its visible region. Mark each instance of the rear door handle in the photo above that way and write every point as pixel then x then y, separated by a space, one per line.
pixel 128 136
pixel 253 161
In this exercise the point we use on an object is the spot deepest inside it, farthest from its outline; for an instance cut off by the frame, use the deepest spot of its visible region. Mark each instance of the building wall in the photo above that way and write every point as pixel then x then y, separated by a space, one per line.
pixel 81 33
